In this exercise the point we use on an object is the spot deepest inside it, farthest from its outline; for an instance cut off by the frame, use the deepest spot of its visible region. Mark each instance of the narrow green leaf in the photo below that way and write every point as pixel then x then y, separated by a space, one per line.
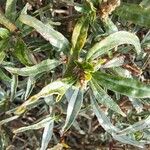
pixel 4 21
pixel 102 118
pixel 134 13
pixel 22 53
pixel 2 94
pixel 78 40
pixel 137 104
pixel 73 109
pixel 3 45
pixel 146 38
pixel 110 128
pixel 79 35
pixel 4 33
pixel 103 98
pixel 2 56
pixel 88 9
pixel 10 10
pixel 145 4
pixel 119 71
pixel 14 84
pixel 47 135
pixel 35 126
pixel 138 126
pixel 3 101
pixel 115 62
pixel 44 66
pixel 125 86
pixel 58 87
pixel 128 140
pixel 4 139
pixel 8 120
pixel 30 85
pixel 53 36
pixel 69 93
pixel 109 26
pixel 112 41
pixel 4 77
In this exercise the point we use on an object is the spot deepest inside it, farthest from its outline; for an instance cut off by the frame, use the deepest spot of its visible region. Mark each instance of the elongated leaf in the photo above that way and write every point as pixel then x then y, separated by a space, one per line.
pixel 47 135
pixel 10 9
pixel 22 53
pixel 53 36
pixel 30 85
pixel 110 128
pixel 69 93
pixel 104 98
pixel 87 8
pixel 58 87
pixel 137 104
pixel 138 126
pixel 4 21
pixel 3 44
pixel 4 33
pixel 4 77
pixel 78 40
pixel 113 40
pixel 119 71
pixel 14 84
pixel 109 26
pixel 4 139
pixel 79 35
pixel 145 4
pixel 128 140
pixel 135 13
pixel 125 86
pixel 73 109
pixel 102 118
pixel 115 62
pixel 44 66
pixel 8 120
pixel 2 56
pixel 35 126
pixel 146 38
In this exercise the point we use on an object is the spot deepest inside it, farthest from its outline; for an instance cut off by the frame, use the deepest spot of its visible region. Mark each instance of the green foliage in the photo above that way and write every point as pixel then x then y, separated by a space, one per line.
pixel 74 106
pixel 41 69
pixel 104 98
pixel 44 66
pixel 110 128
pixel 112 41
pixel 128 87
pixel 22 53
pixel 46 30
pixel 134 13
pixel 10 10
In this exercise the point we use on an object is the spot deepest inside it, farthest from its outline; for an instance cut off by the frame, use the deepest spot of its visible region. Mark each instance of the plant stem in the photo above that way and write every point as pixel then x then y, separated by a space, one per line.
pixel 71 65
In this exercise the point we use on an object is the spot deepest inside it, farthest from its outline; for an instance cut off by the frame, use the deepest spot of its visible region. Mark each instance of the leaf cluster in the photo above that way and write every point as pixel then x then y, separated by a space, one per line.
pixel 81 73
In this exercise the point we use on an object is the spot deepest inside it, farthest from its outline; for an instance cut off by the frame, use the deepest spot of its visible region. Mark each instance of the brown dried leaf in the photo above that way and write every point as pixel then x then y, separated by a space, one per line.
pixel 106 8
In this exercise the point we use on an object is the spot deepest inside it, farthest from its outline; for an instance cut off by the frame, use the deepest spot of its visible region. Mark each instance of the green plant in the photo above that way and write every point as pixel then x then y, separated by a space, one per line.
pixel 94 68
